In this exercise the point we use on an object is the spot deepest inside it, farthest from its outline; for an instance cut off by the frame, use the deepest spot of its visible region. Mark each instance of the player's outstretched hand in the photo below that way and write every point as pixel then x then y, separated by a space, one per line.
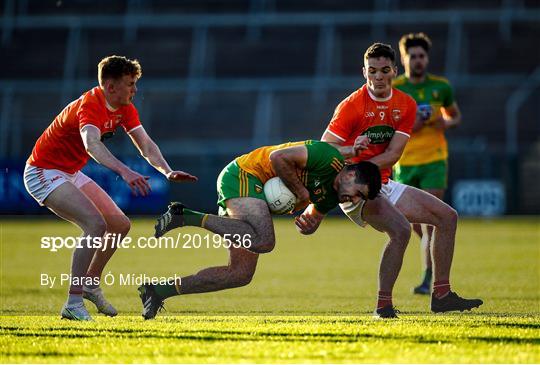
pixel 137 182
pixel 181 176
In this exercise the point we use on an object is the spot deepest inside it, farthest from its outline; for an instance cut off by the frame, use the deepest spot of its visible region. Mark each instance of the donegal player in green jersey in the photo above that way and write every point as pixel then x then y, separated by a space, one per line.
pixel 424 162
pixel 314 171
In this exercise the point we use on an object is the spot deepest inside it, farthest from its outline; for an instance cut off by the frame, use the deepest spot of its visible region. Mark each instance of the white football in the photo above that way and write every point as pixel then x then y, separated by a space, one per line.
pixel 278 196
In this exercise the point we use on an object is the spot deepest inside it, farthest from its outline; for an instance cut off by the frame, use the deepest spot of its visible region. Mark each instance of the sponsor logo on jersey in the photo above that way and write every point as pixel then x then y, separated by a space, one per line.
pixel 56 178
pixel 370 114
pixel 258 189
pixel 379 134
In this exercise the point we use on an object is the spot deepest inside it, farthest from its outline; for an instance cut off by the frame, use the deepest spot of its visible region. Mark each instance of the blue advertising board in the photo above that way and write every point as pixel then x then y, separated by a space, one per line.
pixel 14 199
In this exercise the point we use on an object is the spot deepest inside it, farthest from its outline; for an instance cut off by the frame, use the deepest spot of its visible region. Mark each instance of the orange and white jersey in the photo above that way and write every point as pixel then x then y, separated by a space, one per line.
pixel 61 147
pixel 361 113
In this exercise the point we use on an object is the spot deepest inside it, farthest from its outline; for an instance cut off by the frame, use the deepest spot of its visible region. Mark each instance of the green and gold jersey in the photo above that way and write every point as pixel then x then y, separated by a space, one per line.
pixel 427 144
pixel 324 163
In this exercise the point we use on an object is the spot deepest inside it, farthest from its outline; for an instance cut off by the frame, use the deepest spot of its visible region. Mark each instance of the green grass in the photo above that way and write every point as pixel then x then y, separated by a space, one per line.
pixel 310 301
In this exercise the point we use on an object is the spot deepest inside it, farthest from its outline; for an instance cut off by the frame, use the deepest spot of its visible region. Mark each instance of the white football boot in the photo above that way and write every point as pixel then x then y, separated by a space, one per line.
pixel 76 312
pixel 103 306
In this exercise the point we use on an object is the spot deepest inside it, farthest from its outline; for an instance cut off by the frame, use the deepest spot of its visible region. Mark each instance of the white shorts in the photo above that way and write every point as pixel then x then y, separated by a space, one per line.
pixel 41 182
pixel 392 190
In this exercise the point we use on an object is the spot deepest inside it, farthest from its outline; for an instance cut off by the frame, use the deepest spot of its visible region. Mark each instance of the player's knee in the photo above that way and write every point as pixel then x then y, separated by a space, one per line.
pixel 119 224
pixel 446 218
pixel 451 217
pixel 242 278
pixel 96 227
pixel 401 233
pixel 266 247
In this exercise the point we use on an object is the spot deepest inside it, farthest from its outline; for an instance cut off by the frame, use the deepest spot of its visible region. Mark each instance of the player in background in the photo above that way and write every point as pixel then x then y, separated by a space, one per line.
pixel 314 171
pixel 380 119
pixel 52 174
pixel 424 163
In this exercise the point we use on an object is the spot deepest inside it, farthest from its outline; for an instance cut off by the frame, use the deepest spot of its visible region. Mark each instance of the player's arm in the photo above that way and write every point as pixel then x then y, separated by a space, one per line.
pixel 91 137
pixel 309 220
pixel 361 143
pixel 285 163
pixel 392 153
pixel 151 152
pixel 451 116
pixel 418 122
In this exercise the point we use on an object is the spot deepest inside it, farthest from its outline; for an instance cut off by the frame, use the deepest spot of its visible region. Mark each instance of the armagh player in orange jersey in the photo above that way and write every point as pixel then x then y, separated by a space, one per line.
pixel 377 119
pixel 52 174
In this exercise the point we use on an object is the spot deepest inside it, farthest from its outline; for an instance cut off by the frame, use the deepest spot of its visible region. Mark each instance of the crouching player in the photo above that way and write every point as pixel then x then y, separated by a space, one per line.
pixel 314 171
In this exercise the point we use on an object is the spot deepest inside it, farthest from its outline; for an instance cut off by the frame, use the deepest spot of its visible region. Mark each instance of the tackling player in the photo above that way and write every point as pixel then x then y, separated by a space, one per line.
pixel 381 118
pixel 314 171
pixel 424 163
pixel 53 178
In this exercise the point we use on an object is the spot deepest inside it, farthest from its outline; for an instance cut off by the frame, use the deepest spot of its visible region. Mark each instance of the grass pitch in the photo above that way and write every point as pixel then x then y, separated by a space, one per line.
pixel 310 301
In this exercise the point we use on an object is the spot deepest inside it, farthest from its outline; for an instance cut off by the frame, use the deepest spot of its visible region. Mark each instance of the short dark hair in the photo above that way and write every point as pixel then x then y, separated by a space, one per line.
pixel 115 67
pixel 377 50
pixel 414 40
pixel 367 173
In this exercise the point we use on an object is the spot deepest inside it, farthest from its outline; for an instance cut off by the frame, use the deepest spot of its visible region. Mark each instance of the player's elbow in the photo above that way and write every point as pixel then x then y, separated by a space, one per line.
pixel 91 147
pixel 393 157
pixel 276 157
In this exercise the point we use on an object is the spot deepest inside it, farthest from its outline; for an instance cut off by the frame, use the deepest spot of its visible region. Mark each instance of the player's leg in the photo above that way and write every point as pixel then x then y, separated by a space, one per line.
pixel 425 250
pixel 432 178
pixel 421 207
pixel 415 175
pixel 69 203
pixel 383 216
pixel 118 226
pixel 116 221
pixel 238 192
pixel 242 263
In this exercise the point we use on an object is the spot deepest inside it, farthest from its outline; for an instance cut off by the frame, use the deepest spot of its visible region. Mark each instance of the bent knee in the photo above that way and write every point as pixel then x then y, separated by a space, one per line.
pixel 239 279
pixel 119 224
pixel 446 218
pixel 401 233
pixel 95 227
pixel 264 248
pixel 451 216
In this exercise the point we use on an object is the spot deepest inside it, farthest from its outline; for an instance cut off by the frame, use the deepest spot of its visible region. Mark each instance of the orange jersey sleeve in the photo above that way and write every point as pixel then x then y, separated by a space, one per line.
pixel 344 120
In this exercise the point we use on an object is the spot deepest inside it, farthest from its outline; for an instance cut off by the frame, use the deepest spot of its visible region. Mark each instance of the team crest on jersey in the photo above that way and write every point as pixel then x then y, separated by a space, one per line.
pixel 396 115
pixel 258 189
pixel 435 94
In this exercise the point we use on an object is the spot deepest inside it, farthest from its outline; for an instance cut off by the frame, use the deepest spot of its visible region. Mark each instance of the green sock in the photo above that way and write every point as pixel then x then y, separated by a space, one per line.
pixel 427 277
pixel 166 291
pixel 193 218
